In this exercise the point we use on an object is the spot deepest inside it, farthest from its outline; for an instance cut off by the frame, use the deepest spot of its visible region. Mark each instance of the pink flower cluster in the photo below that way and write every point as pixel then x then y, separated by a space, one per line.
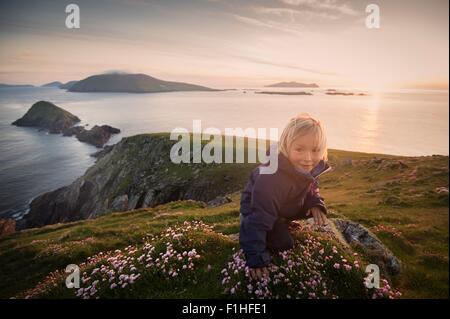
pixel 310 270
pixel 386 291
pixel 124 268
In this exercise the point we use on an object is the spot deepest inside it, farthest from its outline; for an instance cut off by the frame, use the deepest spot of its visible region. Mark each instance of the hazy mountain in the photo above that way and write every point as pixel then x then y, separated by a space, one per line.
pixel 67 85
pixel 131 83
pixel 3 85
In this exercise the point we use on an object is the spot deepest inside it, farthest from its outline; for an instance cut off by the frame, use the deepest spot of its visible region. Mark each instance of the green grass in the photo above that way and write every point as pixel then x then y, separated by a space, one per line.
pixel 415 216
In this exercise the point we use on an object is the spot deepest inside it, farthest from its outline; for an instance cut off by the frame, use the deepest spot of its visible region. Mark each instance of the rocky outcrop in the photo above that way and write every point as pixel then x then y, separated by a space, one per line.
pixel 358 235
pixel 46 115
pixel 97 136
pixel 136 172
pixel 219 201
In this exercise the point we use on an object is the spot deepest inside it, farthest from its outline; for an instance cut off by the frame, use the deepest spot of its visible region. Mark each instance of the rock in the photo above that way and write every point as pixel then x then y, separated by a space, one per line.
pixel 397 164
pixel 46 115
pixel 7 226
pixel 97 136
pixel 218 201
pixel 120 203
pixel 357 234
pixel 73 131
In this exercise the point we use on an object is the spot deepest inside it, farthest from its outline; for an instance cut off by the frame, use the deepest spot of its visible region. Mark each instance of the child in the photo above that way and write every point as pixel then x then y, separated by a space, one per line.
pixel 270 201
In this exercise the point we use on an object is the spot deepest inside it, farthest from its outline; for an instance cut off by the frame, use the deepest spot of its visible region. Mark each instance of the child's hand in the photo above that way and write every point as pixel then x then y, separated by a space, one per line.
pixel 319 217
pixel 258 273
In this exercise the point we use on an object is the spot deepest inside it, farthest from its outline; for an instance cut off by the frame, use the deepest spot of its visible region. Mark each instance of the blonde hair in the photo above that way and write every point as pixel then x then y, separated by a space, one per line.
pixel 303 124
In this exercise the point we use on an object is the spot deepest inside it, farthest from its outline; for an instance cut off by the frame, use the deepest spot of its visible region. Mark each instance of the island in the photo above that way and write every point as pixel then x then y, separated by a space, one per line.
pixel 131 83
pixel 46 115
pixel 293 84
pixel 285 93
pixel 67 85
pixel 54 84
pixel 335 92
pixel 3 85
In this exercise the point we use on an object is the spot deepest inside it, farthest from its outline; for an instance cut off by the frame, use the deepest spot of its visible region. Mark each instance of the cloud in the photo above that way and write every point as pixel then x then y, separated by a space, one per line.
pixel 295 15
pixel 283 65
pixel 317 5
pixel 265 24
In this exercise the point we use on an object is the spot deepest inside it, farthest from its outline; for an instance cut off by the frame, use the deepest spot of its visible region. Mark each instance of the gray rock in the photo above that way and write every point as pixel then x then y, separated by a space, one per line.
pixel 357 234
pixel 218 201
pixel 120 203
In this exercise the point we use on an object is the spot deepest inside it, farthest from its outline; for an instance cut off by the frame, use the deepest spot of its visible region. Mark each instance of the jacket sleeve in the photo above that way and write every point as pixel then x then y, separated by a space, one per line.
pixel 267 194
pixel 313 198
pixel 246 196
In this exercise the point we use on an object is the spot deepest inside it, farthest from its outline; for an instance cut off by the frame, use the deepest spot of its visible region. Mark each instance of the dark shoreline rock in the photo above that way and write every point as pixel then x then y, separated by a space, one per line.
pixel 97 135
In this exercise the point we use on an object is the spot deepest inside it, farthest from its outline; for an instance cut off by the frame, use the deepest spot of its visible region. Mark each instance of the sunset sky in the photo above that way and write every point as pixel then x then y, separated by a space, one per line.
pixel 229 43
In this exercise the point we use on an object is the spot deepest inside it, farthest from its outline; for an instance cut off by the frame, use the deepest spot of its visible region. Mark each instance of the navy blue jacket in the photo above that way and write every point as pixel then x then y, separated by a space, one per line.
pixel 288 193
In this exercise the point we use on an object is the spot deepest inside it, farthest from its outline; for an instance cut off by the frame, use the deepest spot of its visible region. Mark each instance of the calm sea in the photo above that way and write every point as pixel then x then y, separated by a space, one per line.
pixel 407 122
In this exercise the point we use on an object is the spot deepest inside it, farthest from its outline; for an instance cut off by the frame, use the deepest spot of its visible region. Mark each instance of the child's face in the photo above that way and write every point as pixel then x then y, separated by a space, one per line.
pixel 303 153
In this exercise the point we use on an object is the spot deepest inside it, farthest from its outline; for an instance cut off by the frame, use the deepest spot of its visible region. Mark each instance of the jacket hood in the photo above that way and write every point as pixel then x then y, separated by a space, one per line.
pixel 285 165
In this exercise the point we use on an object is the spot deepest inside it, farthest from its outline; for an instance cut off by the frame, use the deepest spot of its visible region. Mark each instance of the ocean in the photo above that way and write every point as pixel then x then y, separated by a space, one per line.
pixel 402 122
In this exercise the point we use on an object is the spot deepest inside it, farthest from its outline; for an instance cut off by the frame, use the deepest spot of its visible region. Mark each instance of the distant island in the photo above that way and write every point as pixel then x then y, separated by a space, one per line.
pixel 293 84
pixel 67 85
pixel 3 85
pixel 52 84
pixel 284 93
pixel 131 83
pixel 48 116
pixel 334 92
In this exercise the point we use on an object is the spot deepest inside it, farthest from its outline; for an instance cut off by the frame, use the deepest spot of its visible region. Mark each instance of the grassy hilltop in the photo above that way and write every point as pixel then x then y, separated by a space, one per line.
pixel 403 200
